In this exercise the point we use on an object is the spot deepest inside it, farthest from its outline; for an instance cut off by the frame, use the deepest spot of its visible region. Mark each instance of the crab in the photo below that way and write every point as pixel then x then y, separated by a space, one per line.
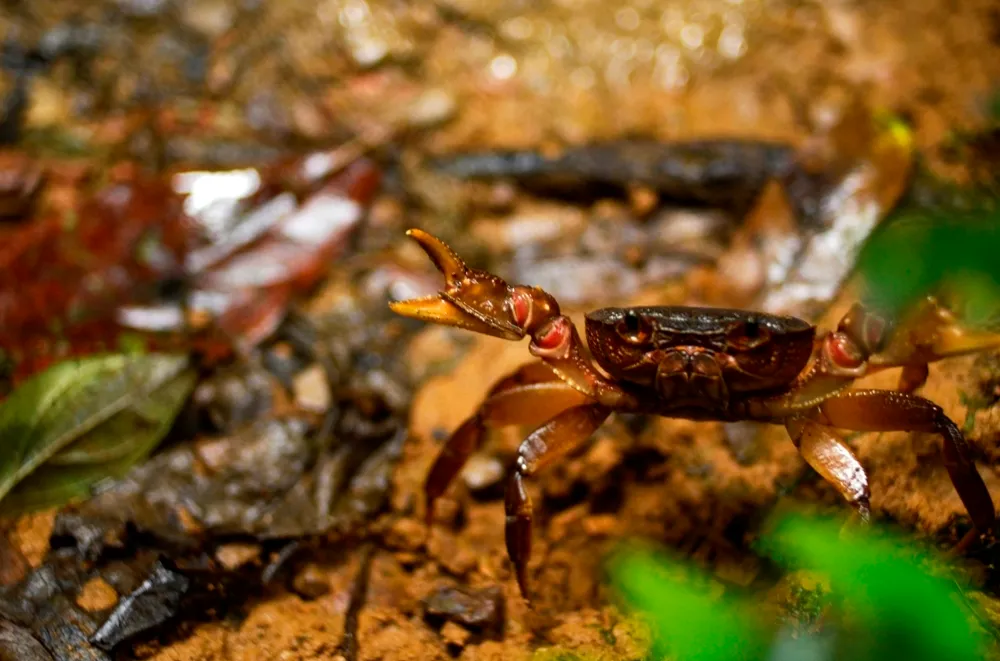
pixel 697 363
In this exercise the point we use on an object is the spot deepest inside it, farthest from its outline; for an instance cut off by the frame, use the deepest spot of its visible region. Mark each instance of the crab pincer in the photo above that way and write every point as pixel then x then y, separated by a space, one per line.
pixel 473 300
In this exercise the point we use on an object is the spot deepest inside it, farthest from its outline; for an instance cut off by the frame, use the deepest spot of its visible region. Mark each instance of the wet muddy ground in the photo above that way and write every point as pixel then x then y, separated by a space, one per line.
pixel 531 75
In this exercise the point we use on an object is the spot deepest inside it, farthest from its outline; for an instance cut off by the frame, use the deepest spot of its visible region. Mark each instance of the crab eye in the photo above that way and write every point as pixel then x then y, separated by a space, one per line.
pixel 748 335
pixel 633 328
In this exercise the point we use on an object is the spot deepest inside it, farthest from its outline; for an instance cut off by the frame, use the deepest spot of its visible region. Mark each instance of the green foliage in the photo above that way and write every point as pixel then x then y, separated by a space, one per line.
pixel 892 605
pixel 924 250
pixel 689 622
pixel 83 421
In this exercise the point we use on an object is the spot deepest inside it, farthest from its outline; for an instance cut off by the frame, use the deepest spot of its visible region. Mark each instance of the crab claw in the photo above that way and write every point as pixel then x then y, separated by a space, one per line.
pixel 474 300
pixel 930 333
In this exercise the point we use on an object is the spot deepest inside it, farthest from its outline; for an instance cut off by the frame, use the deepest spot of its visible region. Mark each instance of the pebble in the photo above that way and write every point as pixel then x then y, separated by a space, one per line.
pixel 97 595
pixel 311 582
pixel 312 392
pixel 482 473
pixel 454 634
pixel 480 609
pixel 406 535
pixel 458 563
pixel 233 556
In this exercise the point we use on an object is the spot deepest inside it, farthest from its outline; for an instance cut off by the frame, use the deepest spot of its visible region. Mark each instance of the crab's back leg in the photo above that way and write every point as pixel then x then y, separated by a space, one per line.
pixel 529 396
pixel 887 410
pixel 555 439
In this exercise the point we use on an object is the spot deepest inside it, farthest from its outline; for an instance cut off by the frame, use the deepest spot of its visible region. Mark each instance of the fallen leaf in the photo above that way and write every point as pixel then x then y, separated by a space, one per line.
pixel 85 420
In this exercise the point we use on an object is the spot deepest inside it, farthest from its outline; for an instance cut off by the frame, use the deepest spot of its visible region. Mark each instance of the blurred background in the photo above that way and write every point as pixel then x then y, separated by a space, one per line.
pixel 210 198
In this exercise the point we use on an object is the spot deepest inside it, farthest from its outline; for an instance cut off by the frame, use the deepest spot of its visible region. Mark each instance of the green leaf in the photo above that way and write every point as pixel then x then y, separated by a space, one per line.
pixel 922 250
pixel 688 622
pixel 82 421
pixel 907 612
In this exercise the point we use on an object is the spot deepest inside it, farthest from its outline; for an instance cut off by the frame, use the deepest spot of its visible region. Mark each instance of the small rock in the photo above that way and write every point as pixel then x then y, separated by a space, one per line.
pixel 233 556
pixel 406 535
pixel 455 635
pixel 96 595
pixel 311 582
pixel 311 389
pixel 480 610
pixel 643 200
pixel 482 473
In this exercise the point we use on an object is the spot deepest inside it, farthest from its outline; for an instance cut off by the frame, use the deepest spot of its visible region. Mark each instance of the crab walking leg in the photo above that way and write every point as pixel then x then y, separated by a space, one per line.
pixel 555 439
pixel 887 410
pixel 529 396
pixel 831 457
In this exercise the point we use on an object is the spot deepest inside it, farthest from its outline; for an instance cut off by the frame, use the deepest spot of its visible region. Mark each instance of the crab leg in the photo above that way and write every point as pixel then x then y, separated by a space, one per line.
pixel 555 439
pixel 529 396
pixel 887 410
pixel 834 460
pixel 482 302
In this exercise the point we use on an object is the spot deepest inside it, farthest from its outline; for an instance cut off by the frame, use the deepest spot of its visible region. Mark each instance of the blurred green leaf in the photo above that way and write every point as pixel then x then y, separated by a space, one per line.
pixel 82 421
pixel 688 623
pixel 895 602
pixel 906 612
pixel 920 251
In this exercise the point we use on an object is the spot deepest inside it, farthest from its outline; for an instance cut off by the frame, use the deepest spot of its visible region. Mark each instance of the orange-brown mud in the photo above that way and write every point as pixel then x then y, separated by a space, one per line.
pixel 678 483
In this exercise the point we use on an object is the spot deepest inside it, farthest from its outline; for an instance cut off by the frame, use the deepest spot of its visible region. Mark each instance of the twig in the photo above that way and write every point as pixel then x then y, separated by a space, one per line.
pixel 349 643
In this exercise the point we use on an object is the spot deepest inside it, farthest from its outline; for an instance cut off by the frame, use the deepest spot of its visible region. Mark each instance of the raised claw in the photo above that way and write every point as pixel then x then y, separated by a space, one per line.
pixel 930 333
pixel 472 299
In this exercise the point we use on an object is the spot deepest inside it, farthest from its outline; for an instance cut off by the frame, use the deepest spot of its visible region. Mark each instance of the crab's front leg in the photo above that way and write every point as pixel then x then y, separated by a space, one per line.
pixel 530 396
pixel 553 440
pixel 482 302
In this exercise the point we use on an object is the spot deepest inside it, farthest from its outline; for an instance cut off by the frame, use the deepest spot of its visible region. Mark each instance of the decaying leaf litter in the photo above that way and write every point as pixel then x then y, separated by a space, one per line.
pixel 677 483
